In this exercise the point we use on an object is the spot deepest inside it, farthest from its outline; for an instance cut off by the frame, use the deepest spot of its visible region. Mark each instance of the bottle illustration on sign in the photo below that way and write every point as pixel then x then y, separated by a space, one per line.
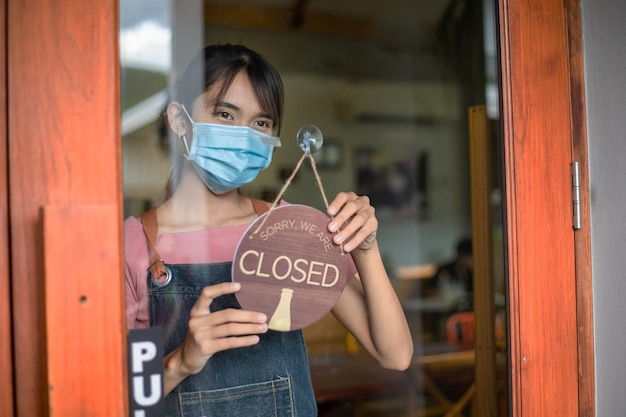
pixel 281 319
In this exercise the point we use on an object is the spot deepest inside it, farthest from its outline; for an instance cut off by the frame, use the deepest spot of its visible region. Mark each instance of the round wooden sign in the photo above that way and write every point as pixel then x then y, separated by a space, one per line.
pixel 289 268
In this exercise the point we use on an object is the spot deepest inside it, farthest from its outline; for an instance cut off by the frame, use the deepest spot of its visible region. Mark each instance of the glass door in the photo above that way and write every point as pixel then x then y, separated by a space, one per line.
pixel 392 89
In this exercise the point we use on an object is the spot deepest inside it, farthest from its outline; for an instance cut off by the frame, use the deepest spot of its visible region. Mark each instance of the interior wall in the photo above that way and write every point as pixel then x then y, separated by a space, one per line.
pixel 604 36
pixel 334 105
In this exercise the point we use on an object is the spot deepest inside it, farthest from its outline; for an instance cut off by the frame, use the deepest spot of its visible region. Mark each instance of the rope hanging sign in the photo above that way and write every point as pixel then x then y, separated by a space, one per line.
pixel 286 261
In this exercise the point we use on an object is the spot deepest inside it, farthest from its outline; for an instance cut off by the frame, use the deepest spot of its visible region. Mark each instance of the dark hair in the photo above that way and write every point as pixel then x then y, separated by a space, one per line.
pixel 222 63
pixel 464 246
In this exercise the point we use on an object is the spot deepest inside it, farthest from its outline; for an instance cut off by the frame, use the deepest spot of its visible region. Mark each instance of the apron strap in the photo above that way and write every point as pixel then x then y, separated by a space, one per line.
pixel 260 206
pixel 150 228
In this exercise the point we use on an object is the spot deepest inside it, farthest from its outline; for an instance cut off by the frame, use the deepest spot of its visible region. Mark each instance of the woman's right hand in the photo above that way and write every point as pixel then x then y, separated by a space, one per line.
pixel 211 332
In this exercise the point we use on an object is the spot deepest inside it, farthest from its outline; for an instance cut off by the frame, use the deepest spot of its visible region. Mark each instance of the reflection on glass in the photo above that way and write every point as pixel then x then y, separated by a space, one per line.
pixel 390 88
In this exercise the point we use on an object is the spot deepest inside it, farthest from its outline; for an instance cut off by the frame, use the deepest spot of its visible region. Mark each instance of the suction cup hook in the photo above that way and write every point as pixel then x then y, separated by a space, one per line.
pixel 310 139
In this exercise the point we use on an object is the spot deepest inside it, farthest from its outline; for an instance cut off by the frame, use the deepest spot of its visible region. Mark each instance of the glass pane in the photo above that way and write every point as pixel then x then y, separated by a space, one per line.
pixel 390 87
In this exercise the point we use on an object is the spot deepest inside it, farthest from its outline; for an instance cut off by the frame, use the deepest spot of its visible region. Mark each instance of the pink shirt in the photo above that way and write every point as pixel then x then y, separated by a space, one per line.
pixel 202 246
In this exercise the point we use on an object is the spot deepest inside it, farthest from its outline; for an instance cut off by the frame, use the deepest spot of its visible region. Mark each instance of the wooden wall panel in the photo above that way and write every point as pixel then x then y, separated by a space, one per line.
pixel 540 253
pixel 64 150
pixel 6 354
pixel 81 342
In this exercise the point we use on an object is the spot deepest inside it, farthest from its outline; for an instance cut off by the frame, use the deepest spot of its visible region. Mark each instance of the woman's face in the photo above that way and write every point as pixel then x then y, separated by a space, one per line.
pixel 238 107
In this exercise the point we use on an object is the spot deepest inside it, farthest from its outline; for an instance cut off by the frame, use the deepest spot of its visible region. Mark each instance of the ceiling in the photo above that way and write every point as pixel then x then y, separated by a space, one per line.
pixel 394 39
pixel 367 18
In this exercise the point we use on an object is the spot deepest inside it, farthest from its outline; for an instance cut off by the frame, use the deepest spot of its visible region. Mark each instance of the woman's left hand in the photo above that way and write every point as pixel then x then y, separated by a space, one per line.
pixel 353 220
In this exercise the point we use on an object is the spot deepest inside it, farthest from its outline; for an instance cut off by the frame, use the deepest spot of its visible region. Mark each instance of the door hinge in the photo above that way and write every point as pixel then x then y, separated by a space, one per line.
pixel 575 171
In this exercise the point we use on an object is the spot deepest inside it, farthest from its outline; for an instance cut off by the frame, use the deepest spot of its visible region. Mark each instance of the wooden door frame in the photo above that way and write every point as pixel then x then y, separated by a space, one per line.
pixel 582 237
pixel 6 348
pixel 548 263
pixel 542 109
pixel 63 156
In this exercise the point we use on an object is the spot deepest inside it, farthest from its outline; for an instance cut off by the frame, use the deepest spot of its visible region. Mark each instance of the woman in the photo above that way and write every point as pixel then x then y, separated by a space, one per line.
pixel 222 360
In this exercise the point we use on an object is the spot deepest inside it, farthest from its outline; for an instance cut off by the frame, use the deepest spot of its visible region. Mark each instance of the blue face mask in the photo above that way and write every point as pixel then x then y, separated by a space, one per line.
pixel 227 157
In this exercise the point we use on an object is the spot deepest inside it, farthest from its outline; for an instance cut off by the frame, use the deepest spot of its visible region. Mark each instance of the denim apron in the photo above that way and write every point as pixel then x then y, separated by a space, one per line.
pixel 269 379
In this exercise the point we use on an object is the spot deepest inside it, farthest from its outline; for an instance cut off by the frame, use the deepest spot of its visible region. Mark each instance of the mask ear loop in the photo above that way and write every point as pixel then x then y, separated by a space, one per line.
pixel 318 179
pixel 184 137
